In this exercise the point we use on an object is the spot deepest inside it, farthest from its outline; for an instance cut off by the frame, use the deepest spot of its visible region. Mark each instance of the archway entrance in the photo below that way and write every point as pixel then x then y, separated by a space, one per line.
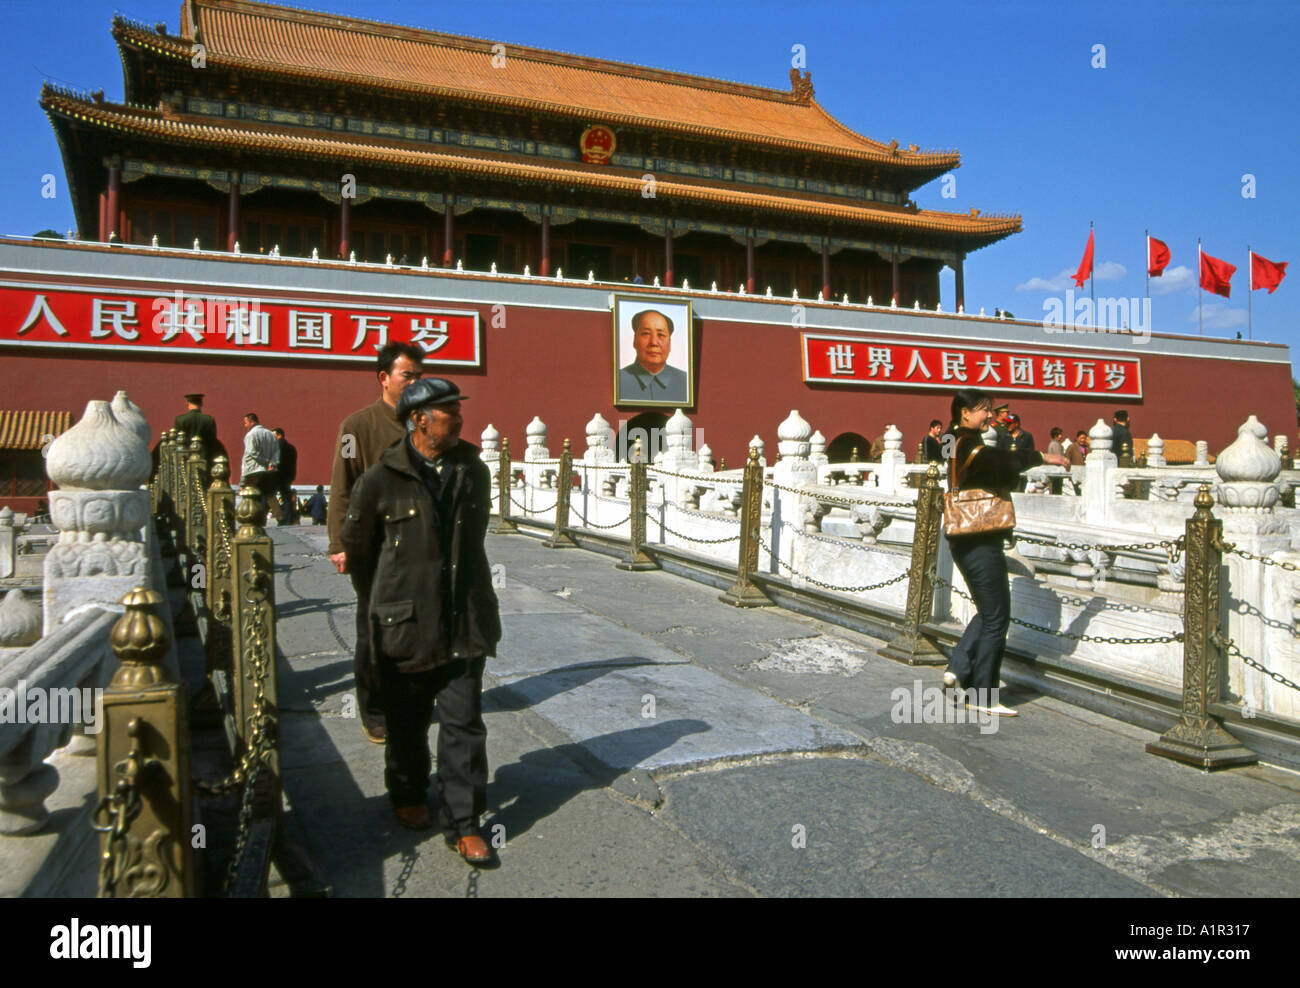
pixel 840 449
pixel 649 428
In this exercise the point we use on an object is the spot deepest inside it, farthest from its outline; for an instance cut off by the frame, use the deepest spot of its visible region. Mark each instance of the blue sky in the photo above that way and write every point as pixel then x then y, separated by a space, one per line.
pixel 1193 97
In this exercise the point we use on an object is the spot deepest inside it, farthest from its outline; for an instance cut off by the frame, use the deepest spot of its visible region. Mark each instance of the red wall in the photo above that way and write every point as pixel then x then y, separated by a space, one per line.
pixel 558 365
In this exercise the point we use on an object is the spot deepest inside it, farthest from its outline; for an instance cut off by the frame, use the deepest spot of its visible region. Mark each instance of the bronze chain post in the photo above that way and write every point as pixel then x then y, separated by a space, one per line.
pixel 196 526
pixel 145 812
pixel 180 491
pixel 911 646
pixel 221 586
pixel 252 634
pixel 1198 739
pixel 504 526
pixel 561 538
pixel 176 576
pixel 637 558
pixel 743 592
pixel 155 479
pixel 220 526
pixel 162 511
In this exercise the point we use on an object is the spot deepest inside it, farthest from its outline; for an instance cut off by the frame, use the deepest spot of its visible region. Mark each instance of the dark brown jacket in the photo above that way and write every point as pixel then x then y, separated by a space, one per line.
pixel 992 468
pixel 363 435
pixel 426 606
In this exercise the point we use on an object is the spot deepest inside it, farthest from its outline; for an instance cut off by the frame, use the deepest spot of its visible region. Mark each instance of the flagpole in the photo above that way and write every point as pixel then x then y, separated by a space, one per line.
pixel 1092 276
pixel 1250 290
pixel 1148 236
pixel 1200 288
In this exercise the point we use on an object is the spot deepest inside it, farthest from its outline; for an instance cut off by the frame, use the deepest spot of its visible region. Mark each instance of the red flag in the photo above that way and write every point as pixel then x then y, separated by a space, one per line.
pixel 1085 266
pixel 1265 273
pixel 1216 275
pixel 1157 256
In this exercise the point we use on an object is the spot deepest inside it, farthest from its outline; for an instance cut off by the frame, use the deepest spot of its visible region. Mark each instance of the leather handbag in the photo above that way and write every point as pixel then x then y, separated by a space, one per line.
pixel 975 511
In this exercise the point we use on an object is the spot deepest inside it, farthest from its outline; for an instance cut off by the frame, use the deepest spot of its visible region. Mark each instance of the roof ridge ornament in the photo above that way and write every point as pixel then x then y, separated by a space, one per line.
pixel 801 87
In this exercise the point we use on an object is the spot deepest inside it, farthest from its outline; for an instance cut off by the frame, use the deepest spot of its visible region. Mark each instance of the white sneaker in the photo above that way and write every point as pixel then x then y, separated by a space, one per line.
pixel 949 679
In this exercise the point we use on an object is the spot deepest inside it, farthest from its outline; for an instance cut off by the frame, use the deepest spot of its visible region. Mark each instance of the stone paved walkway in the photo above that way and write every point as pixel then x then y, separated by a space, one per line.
pixel 647 739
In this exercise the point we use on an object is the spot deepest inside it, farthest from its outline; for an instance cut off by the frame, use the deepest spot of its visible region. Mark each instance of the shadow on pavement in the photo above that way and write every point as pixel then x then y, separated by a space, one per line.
pixel 542 781
pixel 521 694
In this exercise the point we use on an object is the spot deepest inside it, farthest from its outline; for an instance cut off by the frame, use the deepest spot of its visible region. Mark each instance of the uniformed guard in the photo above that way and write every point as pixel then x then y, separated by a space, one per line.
pixel 1001 415
pixel 196 422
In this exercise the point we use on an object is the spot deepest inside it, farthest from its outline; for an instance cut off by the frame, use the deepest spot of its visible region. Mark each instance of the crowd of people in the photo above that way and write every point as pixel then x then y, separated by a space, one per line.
pixel 1012 436
pixel 407 516
pixel 269 464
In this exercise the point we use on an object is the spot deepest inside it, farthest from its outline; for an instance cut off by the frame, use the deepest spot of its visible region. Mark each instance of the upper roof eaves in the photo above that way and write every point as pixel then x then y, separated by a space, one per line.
pixel 290 42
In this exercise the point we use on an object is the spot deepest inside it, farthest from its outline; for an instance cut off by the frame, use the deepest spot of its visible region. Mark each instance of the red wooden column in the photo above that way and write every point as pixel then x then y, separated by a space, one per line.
pixel 668 255
pixel 232 214
pixel 749 263
pixel 826 271
pixel 103 216
pixel 448 232
pixel 545 267
pixel 960 281
pixel 894 267
pixel 114 200
pixel 345 227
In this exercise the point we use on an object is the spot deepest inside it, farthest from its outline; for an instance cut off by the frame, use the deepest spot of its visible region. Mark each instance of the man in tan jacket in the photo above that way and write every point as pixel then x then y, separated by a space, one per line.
pixel 363 435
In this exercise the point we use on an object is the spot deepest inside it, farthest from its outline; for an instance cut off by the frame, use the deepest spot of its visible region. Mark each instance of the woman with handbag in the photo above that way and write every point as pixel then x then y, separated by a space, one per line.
pixel 978 515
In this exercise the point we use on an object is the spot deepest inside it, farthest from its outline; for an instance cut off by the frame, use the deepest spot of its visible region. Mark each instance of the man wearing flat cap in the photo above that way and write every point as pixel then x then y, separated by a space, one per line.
pixel 414 537
pixel 196 422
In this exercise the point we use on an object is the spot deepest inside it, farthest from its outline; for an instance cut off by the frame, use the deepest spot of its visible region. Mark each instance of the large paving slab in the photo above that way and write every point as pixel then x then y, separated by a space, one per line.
pixel 697 716
pixel 847 827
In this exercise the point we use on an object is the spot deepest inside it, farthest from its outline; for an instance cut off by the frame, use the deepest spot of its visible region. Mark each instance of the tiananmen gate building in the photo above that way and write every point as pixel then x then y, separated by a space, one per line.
pixel 281 191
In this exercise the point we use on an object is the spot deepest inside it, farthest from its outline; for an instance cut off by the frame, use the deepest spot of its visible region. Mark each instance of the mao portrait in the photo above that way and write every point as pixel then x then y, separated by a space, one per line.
pixel 652 352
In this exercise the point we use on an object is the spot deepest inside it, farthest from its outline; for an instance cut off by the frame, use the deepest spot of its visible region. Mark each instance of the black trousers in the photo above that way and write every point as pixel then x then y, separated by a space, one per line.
pixel 456 690
pixel 977 659
pixel 364 670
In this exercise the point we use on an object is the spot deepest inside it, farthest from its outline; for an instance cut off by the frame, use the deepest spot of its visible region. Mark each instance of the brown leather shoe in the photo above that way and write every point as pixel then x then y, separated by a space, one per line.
pixel 472 848
pixel 414 817
pixel 375 733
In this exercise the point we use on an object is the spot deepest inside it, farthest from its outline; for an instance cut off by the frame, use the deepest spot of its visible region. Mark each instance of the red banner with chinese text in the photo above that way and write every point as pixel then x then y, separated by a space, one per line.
pixel 231 325
pixel 851 360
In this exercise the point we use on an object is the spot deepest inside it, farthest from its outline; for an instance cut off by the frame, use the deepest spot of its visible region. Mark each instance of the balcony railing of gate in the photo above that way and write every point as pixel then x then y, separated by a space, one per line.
pixel 1104 583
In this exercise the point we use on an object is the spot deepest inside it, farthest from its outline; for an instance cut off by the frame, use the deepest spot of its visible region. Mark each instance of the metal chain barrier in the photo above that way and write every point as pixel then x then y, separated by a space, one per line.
pixel 593 525
pixel 121 807
pixel 842 502
pixel 408 859
pixel 1229 646
pixel 829 586
pixel 939 582
pixel 696 513
pixel 516 503
pixel 1230 547
pixel 843 542
pixel 1173 547
pixel 227 537
pixel 691 538
pixel 650 468
pixel 197 488
pixel 1106 604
